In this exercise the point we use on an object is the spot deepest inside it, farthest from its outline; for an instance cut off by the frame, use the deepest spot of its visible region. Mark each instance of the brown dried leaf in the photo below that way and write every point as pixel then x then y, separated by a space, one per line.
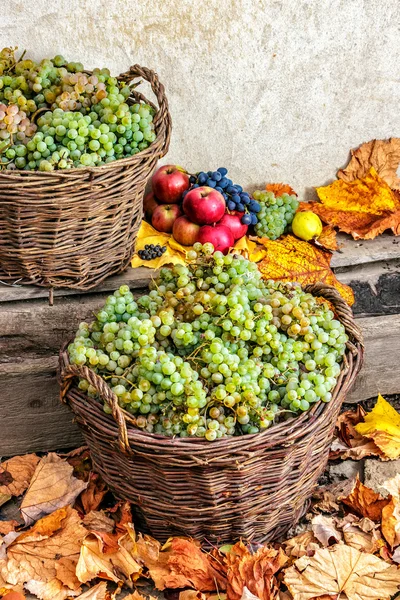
pixel 350 443
pixel 254 571
pixel 13 596
pixel 7 526
pixel 304 544
pixel 93 495
pixel 16 474
pixel 49 590
pixel 330 571
pixel 52 487
pixel 98 521
pixel 391 512
pixel 365 501
pixel 280 188
pixel 327 496
pixel 327 238
pixel 325 530
pixel 362 534
pixel 137 596
pixel 382 425
pixel 115 563
pixel 97 592
pixel 34 554
pixel 291 259
pixel 383 155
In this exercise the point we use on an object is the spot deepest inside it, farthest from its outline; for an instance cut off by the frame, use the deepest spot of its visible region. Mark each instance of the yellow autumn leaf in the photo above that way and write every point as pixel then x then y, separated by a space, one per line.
pixel 382 425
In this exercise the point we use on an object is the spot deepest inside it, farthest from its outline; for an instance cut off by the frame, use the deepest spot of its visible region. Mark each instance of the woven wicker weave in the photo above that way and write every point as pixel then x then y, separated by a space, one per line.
pixel 252 487
pixel 74 228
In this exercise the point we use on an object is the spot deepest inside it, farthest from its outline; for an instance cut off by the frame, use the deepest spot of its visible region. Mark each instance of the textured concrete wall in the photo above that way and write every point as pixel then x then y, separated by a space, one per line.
pixel 271 89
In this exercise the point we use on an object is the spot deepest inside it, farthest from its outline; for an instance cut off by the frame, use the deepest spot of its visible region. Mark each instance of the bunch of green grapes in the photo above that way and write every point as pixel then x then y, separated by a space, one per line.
pixel 275 215
pixel 213 350
pixel 88 121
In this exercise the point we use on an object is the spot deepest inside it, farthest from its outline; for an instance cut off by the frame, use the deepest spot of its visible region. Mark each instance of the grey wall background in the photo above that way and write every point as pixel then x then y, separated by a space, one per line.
pixel 273 90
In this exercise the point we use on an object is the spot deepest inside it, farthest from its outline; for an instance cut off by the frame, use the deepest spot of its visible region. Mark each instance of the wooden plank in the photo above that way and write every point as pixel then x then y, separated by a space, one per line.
pixel 352 253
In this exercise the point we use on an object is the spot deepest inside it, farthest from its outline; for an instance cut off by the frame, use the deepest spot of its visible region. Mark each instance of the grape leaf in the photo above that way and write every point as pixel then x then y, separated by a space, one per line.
pixel 291 259
pixel 360 576
pixel 383 155
pixel 363 208
pixel 382 425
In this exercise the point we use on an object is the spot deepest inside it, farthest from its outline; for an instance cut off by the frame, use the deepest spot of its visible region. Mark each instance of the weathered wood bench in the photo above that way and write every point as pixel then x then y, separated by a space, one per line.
pixel 31 333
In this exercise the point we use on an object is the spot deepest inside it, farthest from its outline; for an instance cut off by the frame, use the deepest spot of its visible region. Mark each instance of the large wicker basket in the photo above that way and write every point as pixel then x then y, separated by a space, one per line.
pixel 252 487
pixel 74 228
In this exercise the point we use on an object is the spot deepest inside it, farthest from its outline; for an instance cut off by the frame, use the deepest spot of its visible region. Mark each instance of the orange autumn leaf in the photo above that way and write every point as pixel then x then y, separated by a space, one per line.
pixel 383 155
pixel 363 208
pixel 280 188
pixel 365 501
pixel 291 259
pixel 327 239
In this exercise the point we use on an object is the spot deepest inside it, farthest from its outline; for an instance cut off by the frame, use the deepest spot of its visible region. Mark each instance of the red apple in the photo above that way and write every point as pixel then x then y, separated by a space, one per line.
pixel 164 217
pixel 219 236
pixel 233 222
pixel 204 205
pixel 185 232
pixel 149 205
pixel 168 183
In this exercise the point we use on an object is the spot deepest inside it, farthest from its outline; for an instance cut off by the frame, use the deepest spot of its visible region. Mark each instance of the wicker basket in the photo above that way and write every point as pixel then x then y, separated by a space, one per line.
pixel 252 487
pixel 73 228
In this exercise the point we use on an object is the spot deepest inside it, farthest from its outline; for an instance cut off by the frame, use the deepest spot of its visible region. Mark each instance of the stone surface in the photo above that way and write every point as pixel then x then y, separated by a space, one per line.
pixel 376 472
pixel 277 91
pixel 347 469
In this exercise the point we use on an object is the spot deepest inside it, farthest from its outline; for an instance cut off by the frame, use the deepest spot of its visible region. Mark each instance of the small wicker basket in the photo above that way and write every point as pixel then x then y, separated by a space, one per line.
pixel 253 487
pixel 73 228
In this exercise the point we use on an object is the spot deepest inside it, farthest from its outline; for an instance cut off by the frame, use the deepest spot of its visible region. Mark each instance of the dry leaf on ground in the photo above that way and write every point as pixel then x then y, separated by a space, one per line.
pixel 304 544
pixel 254 571
pixel 382 425
pixel 50 590
pixel 349 443
pixel 16 474
pixel 34 554
pixel 325 530
pixel 280 188
pixel 92 496
pixel 383 155
pixel 391 512
pixel 52 487
pixel 328 238
pixel 325 498
pixel 115 562
pixel 364 207
pixel 7 526
pixel 97 520
pixel 137 596
pixel 97 592
pixel 339 569
pixel 362 534
pixel 291 259
pixel 13 596
pixel 365 501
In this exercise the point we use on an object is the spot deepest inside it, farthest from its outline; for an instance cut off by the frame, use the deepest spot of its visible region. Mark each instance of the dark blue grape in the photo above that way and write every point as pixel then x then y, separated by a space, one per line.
pixel 223 171
pixel 254 219
pixel 225 196
pixel 231 189
pixel 229 181
pixel 236 198
pixel 239 188
pixel 192 179
pixel 245 199
pixel 246 219
pixel 209 173
pixel 211 183
pixel 219 189
pixel 202 178
pixel 216 176
pixel 231 205
pixel 223 183
pixel 240 207
pixel 254 206
pixel 196 185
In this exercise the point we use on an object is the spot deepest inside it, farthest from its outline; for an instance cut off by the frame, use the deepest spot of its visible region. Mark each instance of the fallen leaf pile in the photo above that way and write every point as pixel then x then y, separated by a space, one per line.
pixel 73 539
pixel 365 200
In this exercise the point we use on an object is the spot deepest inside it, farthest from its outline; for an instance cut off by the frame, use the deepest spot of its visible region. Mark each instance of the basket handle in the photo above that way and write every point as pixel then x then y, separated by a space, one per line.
pixel 68 372
pixel 343 310
pixel 163 118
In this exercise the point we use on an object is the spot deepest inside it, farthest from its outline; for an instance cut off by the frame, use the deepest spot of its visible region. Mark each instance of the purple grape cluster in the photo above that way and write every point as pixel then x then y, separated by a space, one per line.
pixel 236 199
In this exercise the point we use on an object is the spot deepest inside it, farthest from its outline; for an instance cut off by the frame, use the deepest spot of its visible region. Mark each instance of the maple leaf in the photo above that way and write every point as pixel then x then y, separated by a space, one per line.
pixel 350 443
pixel 16 474
pixel 115 562
pixel 360 576
pixel 364 207
pixel 49 548
pixel 280 188
pixel 382 155
pixel 365 501
pixel 325 530
pixel 256 571
pixel 291 259
pixel 52 487
pixel 382 425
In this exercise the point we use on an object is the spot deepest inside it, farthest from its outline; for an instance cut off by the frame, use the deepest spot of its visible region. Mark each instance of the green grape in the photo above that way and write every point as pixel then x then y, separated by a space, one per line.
pixel 275 215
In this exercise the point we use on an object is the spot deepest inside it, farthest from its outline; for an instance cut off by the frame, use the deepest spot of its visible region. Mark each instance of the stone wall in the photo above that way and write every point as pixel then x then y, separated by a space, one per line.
pixel 273 89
